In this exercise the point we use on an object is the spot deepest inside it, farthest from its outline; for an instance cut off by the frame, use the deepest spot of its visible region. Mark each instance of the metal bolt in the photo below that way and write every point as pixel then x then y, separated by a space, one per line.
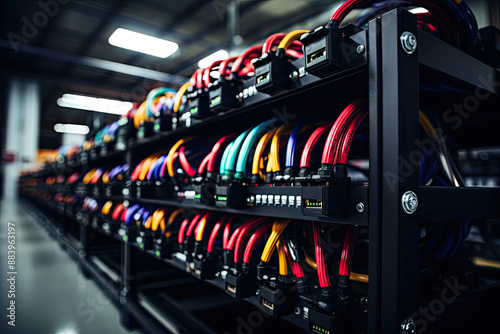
pixel 409 42
pixel 294 75
pixel 360 207
pixel 297 310
pixel 408 326
pixel 360 49
pixel 409 201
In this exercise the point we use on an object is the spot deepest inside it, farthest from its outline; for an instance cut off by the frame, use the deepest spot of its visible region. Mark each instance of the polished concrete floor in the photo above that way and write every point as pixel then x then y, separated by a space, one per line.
pixel 51 296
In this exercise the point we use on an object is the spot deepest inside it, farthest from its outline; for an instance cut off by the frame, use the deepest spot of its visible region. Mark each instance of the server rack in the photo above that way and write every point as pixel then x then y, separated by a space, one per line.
pixel 392 77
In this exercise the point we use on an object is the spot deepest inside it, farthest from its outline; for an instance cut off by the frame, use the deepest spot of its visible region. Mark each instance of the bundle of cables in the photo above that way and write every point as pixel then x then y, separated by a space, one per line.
pixel 159 102
pixel 451 20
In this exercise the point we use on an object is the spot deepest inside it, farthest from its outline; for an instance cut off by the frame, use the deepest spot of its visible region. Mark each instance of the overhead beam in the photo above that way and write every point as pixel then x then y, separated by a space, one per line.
pixel 102 64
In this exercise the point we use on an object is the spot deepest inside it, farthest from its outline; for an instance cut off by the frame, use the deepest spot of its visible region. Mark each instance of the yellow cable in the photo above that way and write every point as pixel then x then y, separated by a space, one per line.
pixel 158 217
pixel 283 267
pixel 203 222
pixel 174 215
pixel 427 125
pixel 105 177
pixel 358 277
pixel 170 157
pixel 140 115
pixel 147 164
pixel 259 150
pixel 278 228
pixel 290 37
pixel 310 261
pixel 482 262
pixel 88 176
pixel 107 207
pixel 179 95
pixel 147 224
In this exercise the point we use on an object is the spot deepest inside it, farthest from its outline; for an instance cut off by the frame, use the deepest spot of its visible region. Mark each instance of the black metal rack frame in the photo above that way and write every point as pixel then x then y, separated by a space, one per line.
pixel 393 87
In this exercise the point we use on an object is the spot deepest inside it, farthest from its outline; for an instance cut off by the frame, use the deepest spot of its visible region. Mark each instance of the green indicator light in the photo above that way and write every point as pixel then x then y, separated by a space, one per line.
pixel 215 100
pixel 140 133
pixel 157 253
pixel 193 110
pixel 263 77
pixel 156 127
pixel 142 245
pixel 197 196
pixel 221 198
pixel 125 238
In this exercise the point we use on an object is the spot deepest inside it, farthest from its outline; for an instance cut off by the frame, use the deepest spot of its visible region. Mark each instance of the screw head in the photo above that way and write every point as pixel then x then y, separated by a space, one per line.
pixel 296 310
pixel 360 207
pixel 409 202
pixel 360 49
pixel 408 327
pixel 408 42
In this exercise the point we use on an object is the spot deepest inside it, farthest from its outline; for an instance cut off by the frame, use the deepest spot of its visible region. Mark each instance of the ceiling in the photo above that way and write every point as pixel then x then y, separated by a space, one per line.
pixel 68 50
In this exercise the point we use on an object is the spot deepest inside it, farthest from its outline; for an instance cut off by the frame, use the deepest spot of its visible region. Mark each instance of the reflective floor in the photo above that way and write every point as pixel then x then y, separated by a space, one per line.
pixel 51 296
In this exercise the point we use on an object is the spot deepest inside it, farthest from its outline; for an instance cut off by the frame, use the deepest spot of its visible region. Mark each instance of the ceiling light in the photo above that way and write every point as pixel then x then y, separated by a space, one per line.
pixel 72 128
pixel 419 10
pixel 94 104
pixel 135 41
pixel 207 61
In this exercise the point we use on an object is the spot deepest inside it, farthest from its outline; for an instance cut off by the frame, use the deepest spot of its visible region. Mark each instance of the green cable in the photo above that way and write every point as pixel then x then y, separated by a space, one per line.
pixel 233 153
pixel 153 94
pixel 224 158
pixel 250 141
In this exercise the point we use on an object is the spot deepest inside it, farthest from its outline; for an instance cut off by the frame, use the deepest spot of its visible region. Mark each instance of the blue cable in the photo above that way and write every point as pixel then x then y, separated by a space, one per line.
pixel 292 143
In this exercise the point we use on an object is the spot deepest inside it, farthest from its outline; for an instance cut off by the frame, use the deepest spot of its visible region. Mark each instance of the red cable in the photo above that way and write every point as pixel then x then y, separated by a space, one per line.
pixel 204 163
pixel 215 233
pixel 194 77
pixel 194 224
pixel 185 163
pixel 252 242
pixel 137 171
pixel 338 129
pixel 224 65
pixel 123 215
pixel 311 142
pixel 218 151
pixel 296 268
pixel 117 211
pixel 207 72
pixel 254 50
pixel 227 232
pixel 347 251
pixel 347 141
pixel 245 231
pixel 324 278
pixel 271 40
pixel 346 8
pixel 182 229
pixel 163 167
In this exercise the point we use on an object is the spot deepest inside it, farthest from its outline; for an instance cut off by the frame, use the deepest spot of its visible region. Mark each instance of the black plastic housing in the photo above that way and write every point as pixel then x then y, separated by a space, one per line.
pixel 272 73
pixel 325 197
pixel 275 302
pixel 239 286
pixel 330 49
pixel 233 195
pixel 199 104
pixel 223 96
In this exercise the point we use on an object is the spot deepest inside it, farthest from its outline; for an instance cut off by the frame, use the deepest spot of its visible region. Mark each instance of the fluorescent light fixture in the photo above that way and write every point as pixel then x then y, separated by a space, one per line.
pixel 76 129
pixel 94 104
pixel 419 10
pixel 136 41
pixel 207 61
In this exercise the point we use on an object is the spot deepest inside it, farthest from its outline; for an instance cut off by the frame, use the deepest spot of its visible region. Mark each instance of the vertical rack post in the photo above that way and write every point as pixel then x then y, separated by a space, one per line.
pixel 399 129
pixel 374 195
